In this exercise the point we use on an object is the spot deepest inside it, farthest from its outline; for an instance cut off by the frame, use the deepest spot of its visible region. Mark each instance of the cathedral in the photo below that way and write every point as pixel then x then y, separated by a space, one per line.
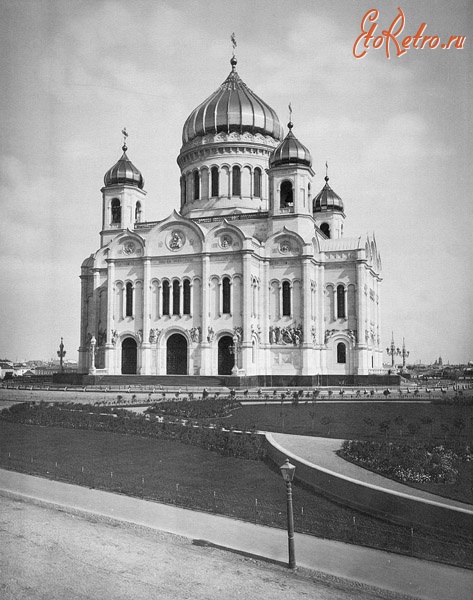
pixel 251 276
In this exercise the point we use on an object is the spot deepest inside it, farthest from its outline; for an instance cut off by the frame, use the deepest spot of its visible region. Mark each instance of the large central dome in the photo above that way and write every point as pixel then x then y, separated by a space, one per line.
pixel 232 108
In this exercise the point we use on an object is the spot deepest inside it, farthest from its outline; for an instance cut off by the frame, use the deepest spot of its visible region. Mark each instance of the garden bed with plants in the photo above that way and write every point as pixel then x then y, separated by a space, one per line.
pixel 427 466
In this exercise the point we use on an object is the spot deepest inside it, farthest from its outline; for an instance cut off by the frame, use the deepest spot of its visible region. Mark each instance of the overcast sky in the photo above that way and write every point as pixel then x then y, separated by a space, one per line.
pixel 397 134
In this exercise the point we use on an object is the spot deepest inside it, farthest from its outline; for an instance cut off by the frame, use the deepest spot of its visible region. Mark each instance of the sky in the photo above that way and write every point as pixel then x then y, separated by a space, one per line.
pixel 396 133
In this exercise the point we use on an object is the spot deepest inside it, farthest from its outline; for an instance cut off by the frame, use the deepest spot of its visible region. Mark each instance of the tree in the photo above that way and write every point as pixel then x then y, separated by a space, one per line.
pixel 413 429
pixel 445 429
pixel 327 421
pixel 427 421
pixel 384 426
pixel 399 420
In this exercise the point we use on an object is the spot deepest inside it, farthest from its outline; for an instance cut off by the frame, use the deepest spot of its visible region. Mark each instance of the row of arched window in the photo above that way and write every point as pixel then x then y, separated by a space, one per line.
pixel 172 297
pixel 198 184
pixel 176 298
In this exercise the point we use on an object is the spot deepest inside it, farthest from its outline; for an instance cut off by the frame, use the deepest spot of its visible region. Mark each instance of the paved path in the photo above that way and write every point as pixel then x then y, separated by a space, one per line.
pixel 397 574
pixel 322 453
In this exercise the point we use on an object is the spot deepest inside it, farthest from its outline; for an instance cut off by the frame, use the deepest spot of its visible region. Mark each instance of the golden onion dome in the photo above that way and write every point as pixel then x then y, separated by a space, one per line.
pixel 124 172
pixel 232 108
pixel 290 151
pixel 327 199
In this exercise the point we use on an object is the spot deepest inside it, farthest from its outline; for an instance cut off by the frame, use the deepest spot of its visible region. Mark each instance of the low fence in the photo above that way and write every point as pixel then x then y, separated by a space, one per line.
pixel 411 541
pixel 386 504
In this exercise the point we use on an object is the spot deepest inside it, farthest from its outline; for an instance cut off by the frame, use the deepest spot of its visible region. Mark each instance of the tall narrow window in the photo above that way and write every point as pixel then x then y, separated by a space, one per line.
pixel 341 302
pixel 196 185
pixel 187 297
pixel 286 299
pixel 214 176
pixel 183 190
pixel 116 211
pixel 257 183
pixel 226 304
pixel 165 297
pixel 341 353
pixel 176 288
pixel 287 195
pixel 129 300
pixel 236 181
pixel 138 212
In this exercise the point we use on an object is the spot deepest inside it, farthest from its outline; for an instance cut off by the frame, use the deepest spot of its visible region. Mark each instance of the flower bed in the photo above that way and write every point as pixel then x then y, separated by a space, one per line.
pixel 419 463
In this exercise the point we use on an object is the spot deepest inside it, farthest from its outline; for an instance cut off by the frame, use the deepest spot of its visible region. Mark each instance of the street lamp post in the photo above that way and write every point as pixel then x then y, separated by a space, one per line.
pixel 287 472
pixel 61 353
pixel 392 350
pixel 404 354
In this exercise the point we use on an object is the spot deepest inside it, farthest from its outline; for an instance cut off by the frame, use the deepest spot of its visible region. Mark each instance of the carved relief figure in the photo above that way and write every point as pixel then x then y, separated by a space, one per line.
pixel 195 333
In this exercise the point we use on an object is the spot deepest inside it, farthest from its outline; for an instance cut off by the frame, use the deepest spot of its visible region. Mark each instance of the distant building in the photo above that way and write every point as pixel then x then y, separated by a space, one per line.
pixel 252 276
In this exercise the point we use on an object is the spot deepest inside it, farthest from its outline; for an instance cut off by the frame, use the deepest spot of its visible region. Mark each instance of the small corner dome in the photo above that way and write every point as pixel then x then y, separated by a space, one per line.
pixel 327 199
pixel 232 108
pixel 124 172
pixel 290 151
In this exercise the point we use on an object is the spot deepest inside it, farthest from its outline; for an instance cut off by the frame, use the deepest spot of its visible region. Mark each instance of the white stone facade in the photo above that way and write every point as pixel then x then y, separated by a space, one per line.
pixel 243 280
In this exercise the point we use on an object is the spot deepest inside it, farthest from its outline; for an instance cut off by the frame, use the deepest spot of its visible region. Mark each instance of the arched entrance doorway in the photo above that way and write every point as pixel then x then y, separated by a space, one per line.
pixel 176 361
pixel 129 349
pixel 226 360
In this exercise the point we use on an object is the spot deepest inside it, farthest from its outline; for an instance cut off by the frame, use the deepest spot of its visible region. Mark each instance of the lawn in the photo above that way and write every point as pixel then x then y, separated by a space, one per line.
pixel 176 473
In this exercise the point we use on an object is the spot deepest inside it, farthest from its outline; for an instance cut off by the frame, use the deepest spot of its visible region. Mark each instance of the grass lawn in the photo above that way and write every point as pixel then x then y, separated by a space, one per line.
pixel 185 475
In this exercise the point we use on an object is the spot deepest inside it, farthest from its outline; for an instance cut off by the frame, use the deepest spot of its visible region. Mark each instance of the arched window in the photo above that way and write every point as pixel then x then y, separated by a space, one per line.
pixel 214 182
pixel 257 183
pixel 165 297
pixel 236 181
pixel 287 194
pixel 341 353
pixel 138 212
pixel 286 299
pixel 340 302
pixel 176 288
pixel 129 300
pixel 325 228
pixel 187 297
pixel 196 185
pixel 226 304
pixel 116 211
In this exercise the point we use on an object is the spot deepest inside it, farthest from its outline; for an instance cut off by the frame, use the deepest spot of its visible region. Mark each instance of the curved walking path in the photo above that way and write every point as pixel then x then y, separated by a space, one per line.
pixel 321 452
pixel 399 576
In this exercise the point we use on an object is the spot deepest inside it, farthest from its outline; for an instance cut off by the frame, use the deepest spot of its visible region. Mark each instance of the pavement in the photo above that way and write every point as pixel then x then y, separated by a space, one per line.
pixel 401 576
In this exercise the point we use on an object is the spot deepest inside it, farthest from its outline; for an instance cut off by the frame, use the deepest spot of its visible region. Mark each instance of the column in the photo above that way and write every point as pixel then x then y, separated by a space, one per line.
pixel 306 305
pixel 320 355
pixel 205 346
pixel 246 311
pixel 109 347
pixel 263 363
pixel 146 349
pixel 360 320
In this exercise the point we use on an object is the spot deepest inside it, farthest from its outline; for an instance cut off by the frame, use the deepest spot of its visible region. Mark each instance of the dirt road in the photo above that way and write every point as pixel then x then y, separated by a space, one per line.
pixel 47 553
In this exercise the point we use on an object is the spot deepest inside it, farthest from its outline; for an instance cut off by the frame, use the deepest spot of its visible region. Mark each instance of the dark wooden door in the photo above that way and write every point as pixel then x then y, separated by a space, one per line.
pixel 176 355
pixel 129 350
pixel 226 360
